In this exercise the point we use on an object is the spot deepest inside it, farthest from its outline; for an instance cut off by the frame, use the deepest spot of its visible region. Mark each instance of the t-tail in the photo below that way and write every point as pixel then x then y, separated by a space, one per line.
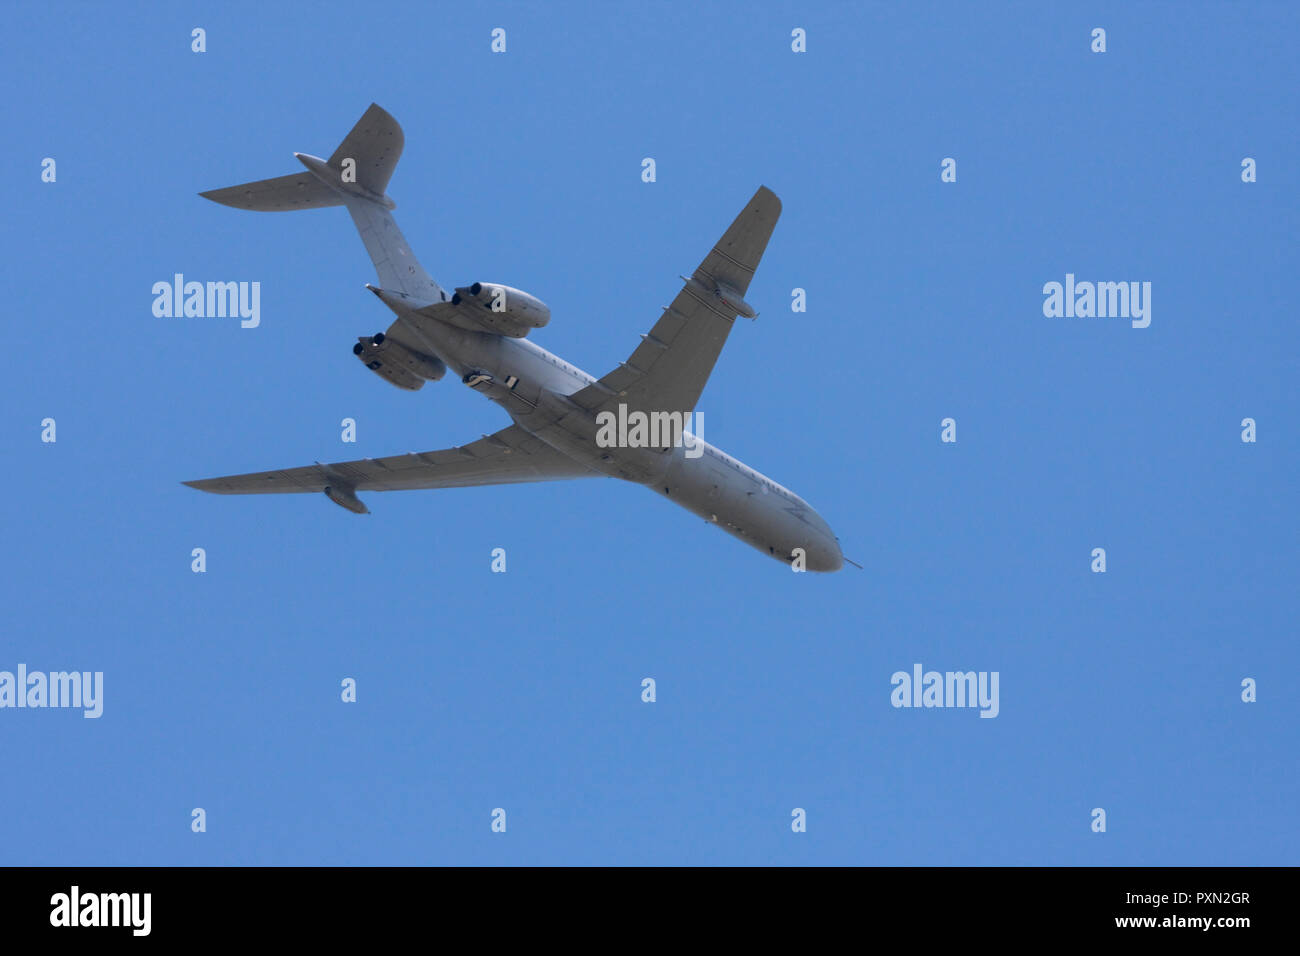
pixel 355 176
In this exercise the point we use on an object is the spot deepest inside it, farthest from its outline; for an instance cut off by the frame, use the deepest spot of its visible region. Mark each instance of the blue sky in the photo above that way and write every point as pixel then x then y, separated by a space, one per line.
pixel 522 690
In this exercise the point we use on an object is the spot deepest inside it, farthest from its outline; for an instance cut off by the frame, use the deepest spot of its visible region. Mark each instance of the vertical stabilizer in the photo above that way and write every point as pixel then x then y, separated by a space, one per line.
pixel 356 175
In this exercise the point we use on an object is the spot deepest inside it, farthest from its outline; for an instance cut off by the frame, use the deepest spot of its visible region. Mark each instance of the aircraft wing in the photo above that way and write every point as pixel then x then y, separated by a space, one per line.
pixel 670 367
pixel 506 457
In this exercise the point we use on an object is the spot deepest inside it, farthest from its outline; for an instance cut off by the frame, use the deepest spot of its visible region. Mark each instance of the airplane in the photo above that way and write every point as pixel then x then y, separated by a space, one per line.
pixel 562 416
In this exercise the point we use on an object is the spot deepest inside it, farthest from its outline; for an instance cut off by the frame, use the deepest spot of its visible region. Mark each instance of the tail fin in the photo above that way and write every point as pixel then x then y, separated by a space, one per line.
pixel 374 145
pixel 355 175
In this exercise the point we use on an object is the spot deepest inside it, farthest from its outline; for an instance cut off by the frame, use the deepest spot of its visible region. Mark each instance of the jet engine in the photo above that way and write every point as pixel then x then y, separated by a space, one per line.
pixel 502 309
pixel 396 363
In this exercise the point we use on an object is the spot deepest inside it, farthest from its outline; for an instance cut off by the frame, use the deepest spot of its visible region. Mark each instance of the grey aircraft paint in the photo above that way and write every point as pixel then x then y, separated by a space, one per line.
pixel 478 332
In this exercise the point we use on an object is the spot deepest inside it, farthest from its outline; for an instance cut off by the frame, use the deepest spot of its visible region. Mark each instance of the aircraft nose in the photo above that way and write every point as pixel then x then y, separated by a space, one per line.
pixel 826 556
pixel 826 560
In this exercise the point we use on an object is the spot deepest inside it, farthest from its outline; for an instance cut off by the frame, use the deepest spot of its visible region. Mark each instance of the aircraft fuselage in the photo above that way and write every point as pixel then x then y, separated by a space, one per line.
pixel 533 386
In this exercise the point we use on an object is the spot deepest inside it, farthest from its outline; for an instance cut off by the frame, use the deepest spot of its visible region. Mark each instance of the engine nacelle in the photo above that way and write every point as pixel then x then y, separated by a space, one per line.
pixel 502 309
pixel 396 363
pixel 346 498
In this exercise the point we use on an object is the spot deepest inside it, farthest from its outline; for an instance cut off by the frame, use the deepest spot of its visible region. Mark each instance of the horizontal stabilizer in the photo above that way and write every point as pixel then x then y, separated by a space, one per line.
pixel 282 194
pixel 363 164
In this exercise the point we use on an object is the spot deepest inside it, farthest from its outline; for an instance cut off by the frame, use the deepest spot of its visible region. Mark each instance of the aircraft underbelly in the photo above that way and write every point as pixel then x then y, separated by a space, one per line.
pixel 535 389
pixel 721 496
